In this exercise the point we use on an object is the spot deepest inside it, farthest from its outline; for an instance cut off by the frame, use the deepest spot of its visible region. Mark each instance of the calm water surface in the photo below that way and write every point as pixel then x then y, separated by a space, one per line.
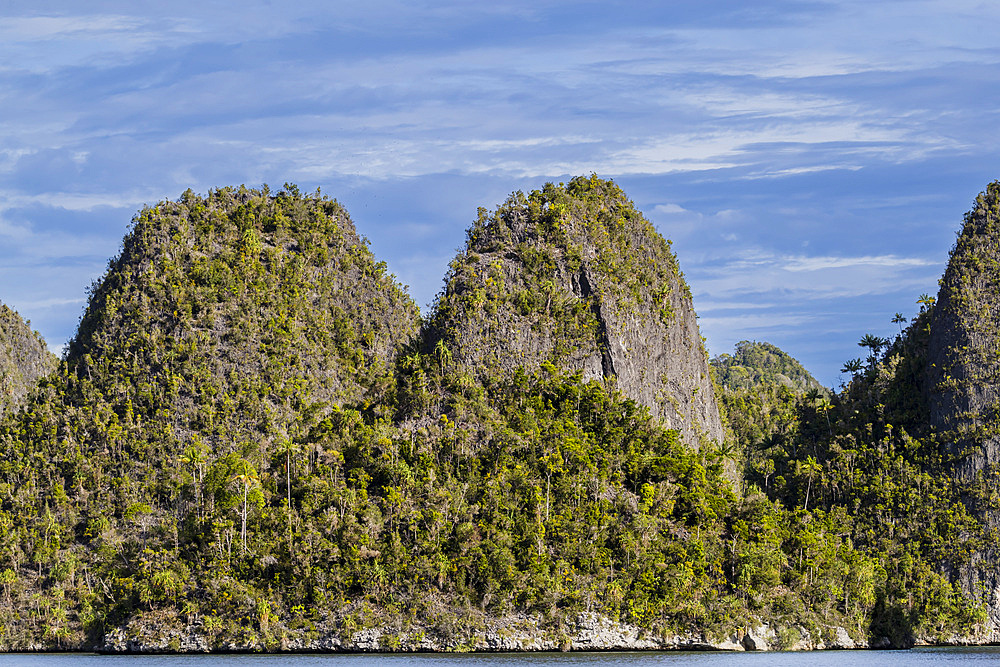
pixel 919 656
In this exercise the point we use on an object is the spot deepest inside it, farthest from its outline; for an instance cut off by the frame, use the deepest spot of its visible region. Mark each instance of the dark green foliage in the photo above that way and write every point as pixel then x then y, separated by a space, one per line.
pixel 875 530
pixel 864 476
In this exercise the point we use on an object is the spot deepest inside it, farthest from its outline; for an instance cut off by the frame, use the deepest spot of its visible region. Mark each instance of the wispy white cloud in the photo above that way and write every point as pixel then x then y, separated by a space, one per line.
pixel 819 263
pixel 56 302
pixel 87 201
pixel 792 278
pixel 44 28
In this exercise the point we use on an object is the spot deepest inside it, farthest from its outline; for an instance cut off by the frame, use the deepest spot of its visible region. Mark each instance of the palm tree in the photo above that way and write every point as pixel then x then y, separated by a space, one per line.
pixel 899 318
pixel 246 478
pixel 925 301
pixel 195 455
pixel 810 468
pixel 767 469
pixel 875 344
pixel 825 406
pixel 853 366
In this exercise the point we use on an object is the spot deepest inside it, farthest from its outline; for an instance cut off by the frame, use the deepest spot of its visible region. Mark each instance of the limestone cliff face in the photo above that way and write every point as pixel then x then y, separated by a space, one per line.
pixel 964 345
pixel 575 276
pixel 24 359
pixel 963 378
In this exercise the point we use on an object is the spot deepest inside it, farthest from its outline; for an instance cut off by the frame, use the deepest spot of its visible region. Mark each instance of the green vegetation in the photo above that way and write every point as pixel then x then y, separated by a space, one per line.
pixel 252 435
pixel 23 360
pixel 551 259
pixel 965 373
pixel 753 364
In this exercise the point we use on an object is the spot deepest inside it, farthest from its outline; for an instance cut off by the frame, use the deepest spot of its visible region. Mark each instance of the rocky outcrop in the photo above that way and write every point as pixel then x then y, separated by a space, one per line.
pixel 963 378
pixel 517 633
pixel 964 345
pixel 575 276
pixel 24 359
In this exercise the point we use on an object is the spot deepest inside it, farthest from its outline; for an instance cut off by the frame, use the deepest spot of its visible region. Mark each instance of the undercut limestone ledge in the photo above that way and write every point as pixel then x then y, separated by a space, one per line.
pixel 586 632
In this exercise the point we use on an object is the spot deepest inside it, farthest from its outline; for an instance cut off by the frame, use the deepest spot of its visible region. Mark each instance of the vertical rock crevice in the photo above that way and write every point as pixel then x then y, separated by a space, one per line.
pixel 587 293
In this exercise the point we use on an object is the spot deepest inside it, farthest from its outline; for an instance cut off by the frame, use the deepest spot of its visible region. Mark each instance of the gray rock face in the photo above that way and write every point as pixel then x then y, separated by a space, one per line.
pixel 841 640
pixel 575 276
pixel 756 639
pixel 516 633
pixel 963 375
pixel 213 296
pixel 964 345
pixel 24 359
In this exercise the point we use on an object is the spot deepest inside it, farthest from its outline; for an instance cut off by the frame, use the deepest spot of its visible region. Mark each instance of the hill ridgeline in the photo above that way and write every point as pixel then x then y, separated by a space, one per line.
pixel 755 363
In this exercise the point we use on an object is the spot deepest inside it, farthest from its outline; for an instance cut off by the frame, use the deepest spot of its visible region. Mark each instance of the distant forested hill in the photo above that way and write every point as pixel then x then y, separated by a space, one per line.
pixel 754 363
pixel 24 359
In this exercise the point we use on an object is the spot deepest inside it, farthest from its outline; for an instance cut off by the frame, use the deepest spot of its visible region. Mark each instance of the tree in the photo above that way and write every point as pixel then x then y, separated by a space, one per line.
pixel 809 468
pixel 220 480
pixel 853 366
pixel 899 319
pixel 824 405
pixel 194 456
pixel 288 448
pixel 247 478
pixel 875 344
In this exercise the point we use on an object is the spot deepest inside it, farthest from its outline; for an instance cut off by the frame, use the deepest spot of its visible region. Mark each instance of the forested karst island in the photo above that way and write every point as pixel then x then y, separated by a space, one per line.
pixel 255 442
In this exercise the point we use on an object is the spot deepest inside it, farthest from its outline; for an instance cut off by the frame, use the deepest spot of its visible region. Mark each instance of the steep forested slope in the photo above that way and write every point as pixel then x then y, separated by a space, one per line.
pixel 227 332
pixel 23 360
pixel 963 379
pixel 964 355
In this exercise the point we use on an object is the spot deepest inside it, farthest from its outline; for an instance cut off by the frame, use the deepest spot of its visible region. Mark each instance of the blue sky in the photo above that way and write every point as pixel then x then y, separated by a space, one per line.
pixel 811 161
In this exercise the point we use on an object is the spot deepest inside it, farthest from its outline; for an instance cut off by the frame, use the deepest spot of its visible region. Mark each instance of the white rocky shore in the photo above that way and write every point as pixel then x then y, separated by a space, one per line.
pixel 587 632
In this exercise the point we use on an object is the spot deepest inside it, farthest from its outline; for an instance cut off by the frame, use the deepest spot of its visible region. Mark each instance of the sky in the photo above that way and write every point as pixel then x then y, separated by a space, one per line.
pixel 810 161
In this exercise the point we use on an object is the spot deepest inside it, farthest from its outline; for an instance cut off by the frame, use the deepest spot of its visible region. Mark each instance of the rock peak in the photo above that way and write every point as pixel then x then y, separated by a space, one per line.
pixel 964 348
pixel 574 275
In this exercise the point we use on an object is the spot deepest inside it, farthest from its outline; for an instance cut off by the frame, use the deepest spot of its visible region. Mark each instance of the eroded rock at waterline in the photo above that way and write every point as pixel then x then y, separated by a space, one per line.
pixel 515 633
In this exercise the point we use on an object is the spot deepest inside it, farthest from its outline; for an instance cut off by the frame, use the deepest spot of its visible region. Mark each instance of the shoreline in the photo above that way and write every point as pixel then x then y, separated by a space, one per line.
pixel 586 632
